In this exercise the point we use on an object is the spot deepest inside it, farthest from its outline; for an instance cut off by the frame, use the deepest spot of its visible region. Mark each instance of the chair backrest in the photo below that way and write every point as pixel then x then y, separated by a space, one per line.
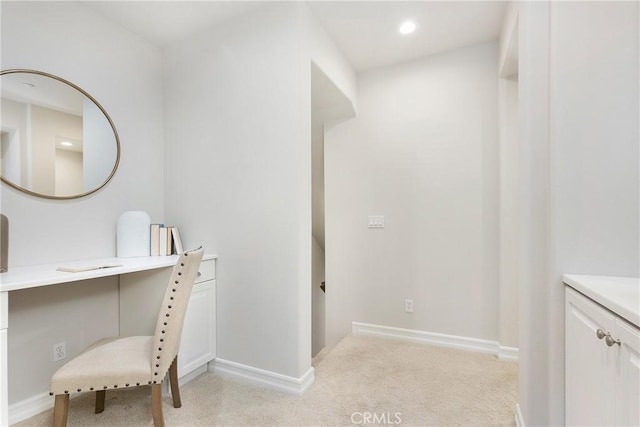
pixel 166 342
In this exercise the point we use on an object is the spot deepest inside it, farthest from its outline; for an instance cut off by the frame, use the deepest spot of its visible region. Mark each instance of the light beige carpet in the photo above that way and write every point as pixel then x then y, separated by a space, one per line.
pixel 362 381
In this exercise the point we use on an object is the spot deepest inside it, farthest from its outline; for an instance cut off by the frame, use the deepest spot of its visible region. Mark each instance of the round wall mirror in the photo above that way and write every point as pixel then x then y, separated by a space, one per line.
pixel 56 140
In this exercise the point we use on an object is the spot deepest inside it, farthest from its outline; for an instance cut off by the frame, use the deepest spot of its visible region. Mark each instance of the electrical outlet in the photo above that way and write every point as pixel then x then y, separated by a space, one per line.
pixel 408 306
pixel 59 351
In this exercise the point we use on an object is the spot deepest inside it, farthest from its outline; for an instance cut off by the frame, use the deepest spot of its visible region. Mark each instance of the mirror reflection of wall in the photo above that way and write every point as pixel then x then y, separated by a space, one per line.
pixel 68 168
pixel 98 146
pixel 34 146
pixel 46 127
pixel 14 125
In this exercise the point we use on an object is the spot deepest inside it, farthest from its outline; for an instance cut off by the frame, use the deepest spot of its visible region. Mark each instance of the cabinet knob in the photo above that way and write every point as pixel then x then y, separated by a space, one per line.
pixel 600 334
pixel 610 340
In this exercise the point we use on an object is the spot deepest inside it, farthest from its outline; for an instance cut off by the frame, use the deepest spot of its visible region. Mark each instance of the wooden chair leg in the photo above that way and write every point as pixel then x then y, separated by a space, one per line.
pixel 156 405
pixel 100 396
pixel 60 410
pixel 173 381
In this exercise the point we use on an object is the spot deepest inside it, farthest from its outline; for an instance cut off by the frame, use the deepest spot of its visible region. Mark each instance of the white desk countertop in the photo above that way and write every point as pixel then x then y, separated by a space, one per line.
pixel 618 294
pixel 46 274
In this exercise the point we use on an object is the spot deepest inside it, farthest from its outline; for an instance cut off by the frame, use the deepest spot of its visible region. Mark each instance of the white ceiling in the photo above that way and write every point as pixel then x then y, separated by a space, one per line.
pixel 365 31
pixel 162 21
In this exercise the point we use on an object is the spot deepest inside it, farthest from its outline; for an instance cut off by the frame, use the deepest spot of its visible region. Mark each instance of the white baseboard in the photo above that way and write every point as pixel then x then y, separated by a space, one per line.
pixel 272 380
pixel 29 407
pixel 519 419
pixel 191 375
pixel 509 354
pixel 442 340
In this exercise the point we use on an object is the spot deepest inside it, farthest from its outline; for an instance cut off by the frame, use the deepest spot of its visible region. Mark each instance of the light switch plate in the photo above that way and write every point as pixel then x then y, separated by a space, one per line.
pixel 376 221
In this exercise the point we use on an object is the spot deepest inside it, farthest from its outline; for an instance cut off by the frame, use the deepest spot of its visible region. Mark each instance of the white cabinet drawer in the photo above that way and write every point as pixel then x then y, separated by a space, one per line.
pixel 207 270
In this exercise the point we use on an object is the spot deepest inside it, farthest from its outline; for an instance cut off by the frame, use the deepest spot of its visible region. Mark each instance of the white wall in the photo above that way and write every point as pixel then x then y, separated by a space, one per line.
pixel 508 181
pixel 509 227
pixel 123 73
pixel 318 297
pixel 238 132
pixel 423 153
pixel 596 135
pixel 233 160
pixel 324 53
pixel 77 314
pixel 579 173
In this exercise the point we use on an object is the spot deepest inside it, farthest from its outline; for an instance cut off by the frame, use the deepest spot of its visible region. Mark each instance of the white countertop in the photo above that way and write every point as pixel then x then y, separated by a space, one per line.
pixel 621 295
pixel 46 274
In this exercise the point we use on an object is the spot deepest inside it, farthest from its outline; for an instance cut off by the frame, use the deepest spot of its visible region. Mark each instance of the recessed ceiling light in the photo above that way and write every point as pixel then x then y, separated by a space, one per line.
pixel 66 143
pixel 407 27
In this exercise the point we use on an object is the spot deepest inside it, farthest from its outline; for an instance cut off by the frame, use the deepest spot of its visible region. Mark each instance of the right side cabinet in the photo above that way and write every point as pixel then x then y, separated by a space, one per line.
pixel 602 365
pixel 198 343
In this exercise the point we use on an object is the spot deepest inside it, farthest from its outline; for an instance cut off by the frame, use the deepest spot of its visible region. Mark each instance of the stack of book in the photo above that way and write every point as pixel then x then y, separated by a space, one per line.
pixel 165 240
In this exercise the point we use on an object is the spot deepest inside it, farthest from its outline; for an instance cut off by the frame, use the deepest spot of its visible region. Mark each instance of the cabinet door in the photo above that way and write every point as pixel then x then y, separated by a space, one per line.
pixel 197 346
pixel 589 363
pixel 627 374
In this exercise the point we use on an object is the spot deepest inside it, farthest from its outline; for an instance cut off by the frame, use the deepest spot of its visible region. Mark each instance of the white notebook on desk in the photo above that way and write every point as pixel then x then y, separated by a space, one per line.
pixel 78 269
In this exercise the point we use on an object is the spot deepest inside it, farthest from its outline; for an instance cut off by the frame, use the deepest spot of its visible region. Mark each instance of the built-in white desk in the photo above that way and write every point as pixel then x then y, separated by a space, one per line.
pixel 18 278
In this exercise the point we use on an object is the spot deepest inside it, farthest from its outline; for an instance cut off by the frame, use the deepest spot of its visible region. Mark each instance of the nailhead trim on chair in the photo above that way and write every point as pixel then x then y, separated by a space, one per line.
pixel 177 282
pixel 104 387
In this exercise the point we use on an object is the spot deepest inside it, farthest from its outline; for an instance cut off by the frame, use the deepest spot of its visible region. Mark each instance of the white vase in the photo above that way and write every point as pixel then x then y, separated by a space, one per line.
pixel 133 238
